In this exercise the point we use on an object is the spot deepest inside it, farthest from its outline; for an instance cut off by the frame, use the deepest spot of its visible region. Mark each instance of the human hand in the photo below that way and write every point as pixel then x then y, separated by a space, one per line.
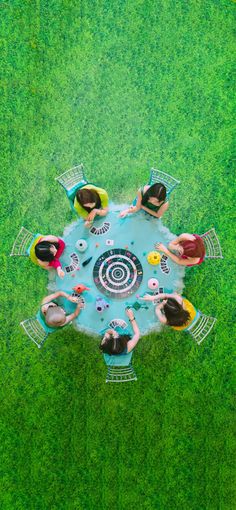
pixel 73 299
pixel 60 273
pixel 161 305
pixel 123 214
pixel 88 224
pixel 91 215
pixel 161 247
pixel 147 297
pixel 129 312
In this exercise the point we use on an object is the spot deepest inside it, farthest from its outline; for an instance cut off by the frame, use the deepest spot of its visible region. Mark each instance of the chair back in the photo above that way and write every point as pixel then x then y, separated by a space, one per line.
pixel 212 245
pixel 22 243
pixel 35 331
pixel 74 177
pixel 120 374
pixel 71 181
pixel 157 176
pixel 201 327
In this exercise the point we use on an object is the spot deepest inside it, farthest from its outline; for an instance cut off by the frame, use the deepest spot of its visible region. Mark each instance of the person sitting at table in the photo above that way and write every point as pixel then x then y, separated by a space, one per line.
pixel 45 251
pixel 91 201
pixel 119 342
pixel 53 314
pixel 173 310
pixel 189 247
pixel 151 199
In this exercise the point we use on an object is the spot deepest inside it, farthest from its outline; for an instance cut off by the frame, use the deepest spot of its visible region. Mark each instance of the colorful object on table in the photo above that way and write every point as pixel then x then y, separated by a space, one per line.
pixel 86 262
pixel 118 273
pixel 109 242
pixel 154 258
pixel 136 306
pixel 74 263
pixel 164 266
pixel 153 283
pixel 101 304
pixel 79 298
pixel 97 245
pixel 81 245
pixel 103 229
pixel 80 288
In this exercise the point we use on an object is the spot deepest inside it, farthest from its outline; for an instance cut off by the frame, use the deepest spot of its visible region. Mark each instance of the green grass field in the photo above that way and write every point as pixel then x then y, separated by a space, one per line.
pixel 120 86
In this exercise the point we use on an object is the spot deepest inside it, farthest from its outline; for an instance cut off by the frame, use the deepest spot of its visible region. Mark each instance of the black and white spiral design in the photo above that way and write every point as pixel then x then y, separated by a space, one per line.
pixel 118 273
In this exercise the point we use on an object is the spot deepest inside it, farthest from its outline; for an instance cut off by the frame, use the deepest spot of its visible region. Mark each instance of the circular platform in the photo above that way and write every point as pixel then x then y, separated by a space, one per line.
pixel 115 268
pixel 117 273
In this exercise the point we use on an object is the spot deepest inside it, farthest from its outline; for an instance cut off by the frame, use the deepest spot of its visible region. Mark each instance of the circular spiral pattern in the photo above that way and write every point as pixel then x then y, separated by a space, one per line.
pixel 117 273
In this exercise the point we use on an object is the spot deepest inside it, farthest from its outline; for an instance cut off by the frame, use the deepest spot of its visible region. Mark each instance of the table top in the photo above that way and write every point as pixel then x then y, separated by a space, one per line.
pixel 116 270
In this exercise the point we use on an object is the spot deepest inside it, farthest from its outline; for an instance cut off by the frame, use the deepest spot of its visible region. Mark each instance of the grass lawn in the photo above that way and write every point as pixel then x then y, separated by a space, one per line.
pixel 120 86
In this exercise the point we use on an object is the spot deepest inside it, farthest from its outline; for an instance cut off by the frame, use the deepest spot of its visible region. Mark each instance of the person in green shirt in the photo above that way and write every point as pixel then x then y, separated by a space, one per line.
pixel 151 199
pixel 91 201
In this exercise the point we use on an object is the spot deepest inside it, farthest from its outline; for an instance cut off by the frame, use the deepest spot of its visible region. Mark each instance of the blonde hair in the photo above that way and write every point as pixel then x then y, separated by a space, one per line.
pixel 55 316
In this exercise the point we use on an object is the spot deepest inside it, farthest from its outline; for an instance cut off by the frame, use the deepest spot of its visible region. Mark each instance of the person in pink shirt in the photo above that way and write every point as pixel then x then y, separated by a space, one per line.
pixel 48 251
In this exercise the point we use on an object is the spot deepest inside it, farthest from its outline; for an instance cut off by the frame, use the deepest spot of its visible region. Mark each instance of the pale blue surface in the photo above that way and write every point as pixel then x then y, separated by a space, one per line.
pixel 139 232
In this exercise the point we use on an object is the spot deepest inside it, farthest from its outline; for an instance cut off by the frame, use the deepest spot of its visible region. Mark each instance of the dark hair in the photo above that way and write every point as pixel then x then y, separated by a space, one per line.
pixel 194 248
pixel 42 250
pixel 87 196
pixel 157 190
pixel 174 313
pixel 115 345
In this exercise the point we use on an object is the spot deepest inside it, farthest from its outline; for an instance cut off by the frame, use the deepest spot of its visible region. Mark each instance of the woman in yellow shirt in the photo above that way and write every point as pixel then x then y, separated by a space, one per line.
pixel 174 310
pixel 91 201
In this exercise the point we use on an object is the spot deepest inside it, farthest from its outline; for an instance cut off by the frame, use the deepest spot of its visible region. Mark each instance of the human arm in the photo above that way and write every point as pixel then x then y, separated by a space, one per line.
pixel 133 208
pixel 101 212
pixel 75 314
pixel 186 237
pixel 55 295
pixel 72 299
pixel 159 313
pixel 51 239
pixel 96 212
pixel 57 265
pixel 159 213
pixel 161 296
pixel 136 336
pixel 183 237
pixel 175 258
